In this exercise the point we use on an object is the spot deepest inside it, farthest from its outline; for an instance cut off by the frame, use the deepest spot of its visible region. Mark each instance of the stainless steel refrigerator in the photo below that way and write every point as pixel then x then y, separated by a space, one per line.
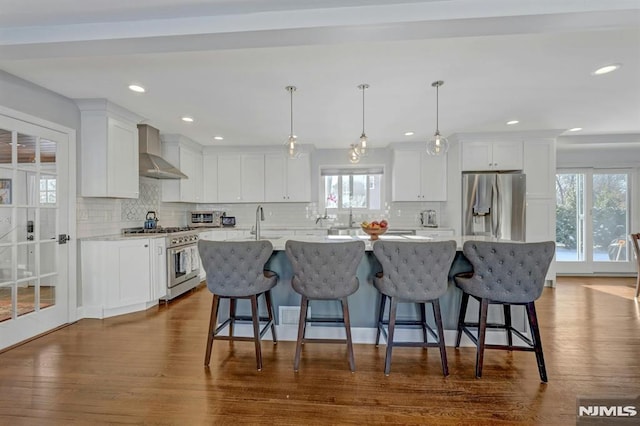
pixel 493 204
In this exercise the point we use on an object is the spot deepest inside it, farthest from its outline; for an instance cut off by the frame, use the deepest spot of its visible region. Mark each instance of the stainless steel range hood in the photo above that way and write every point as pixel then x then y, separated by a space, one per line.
pixel 151 163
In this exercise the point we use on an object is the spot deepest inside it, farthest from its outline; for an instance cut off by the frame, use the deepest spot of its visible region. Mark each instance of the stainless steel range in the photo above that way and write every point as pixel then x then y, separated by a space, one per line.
pixel 183 260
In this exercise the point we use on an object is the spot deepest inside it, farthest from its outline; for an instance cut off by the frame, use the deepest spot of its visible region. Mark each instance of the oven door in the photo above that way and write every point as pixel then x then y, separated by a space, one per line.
pixel 183 264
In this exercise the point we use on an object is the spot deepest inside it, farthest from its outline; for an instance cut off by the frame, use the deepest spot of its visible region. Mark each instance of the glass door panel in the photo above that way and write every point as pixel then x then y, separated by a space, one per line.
pixel 610 217
pixel 570 218
pixel 27 151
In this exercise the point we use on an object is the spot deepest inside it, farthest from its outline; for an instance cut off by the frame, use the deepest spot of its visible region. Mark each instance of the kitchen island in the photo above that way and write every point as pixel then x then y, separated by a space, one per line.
pixel 363 304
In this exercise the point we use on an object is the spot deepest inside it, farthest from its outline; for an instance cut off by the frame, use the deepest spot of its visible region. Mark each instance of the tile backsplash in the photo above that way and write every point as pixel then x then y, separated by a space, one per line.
pixel 107 216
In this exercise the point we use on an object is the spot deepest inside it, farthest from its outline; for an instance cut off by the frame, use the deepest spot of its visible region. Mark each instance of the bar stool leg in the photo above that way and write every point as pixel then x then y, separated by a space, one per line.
pixel 392 326
pixel 232 315
pixel 301 329
pixel 347 328
pixel 443 350
pixel 537 343
pixel 463 313
pixel 212 328
pixel 507 324
pixel 423 320
pixel 383 300
pixel 482 331
pixel 269 300
pixel 256 330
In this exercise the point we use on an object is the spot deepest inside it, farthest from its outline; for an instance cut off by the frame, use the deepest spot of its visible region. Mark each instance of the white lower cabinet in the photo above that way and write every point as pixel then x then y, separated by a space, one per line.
pixel 121 276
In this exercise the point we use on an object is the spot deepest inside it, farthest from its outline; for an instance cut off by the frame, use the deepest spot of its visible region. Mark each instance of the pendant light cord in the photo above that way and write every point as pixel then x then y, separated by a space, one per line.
pixel 363 89
pixel 291 97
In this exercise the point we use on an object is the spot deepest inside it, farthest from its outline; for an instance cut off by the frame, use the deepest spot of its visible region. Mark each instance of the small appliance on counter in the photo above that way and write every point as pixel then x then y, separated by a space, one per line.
pixel 429 218
pixel 206 219
pixel 228 221
pixel 151 221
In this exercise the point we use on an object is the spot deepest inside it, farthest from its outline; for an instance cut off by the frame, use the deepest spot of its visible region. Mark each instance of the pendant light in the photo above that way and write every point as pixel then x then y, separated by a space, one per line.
pixel 291 145
pixel 364 142
pixel 438 145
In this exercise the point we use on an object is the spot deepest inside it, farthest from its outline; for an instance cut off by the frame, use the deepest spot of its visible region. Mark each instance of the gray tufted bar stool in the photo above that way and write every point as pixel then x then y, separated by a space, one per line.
pixel 235 270
pixel 505 274
pixel 324 271
pixel 412 272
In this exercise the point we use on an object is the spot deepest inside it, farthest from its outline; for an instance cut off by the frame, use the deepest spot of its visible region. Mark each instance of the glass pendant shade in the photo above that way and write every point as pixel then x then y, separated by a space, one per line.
pixel 354 155
pixel 438 145
pixel 291 148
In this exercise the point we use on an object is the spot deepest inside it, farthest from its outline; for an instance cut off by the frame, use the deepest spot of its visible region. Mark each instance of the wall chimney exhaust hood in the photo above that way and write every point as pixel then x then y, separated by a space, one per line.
pixel 151 163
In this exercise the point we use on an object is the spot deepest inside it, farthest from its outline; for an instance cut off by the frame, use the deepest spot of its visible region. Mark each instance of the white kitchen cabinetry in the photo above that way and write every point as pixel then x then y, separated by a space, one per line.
pixel 187 157
pixel 158 268
pixel 240 178
pixel 498 155
pixel 122 276
pixel 287 180
pixel 417 176
pixel 109 150
pixel 210 178
pixel 540 168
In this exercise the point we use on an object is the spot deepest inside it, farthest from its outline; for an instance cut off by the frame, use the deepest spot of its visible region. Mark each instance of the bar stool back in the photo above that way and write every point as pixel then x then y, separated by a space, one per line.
pixel 324 271
pixel 504 274
pixel 414 272
pixel 235 270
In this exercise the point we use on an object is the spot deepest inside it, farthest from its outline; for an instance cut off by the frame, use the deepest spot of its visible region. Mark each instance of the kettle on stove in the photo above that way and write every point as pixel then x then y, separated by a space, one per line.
pixel 429 218
pixel 151 221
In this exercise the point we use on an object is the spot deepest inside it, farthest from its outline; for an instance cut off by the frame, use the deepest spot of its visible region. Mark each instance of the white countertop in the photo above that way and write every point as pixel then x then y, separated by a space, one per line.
pixel 279 243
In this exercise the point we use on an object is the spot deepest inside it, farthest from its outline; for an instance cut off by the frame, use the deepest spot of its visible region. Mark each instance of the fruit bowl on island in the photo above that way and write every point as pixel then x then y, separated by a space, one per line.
pixel 375 228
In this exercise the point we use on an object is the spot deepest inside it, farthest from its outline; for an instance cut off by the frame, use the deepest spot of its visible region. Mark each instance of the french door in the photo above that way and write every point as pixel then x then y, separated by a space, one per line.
pixel 593 218
pixel 34 220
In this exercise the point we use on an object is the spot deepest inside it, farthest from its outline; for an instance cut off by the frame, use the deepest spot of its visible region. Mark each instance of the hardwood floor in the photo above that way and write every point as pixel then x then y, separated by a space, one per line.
pixel 147 368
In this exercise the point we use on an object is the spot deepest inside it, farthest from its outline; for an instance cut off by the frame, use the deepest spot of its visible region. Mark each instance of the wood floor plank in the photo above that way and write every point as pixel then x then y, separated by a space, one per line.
pixel 147 368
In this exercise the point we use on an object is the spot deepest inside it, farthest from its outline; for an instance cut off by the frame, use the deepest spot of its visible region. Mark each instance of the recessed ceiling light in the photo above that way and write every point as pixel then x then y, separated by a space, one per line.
pixel 218 138
pixel 512 122
pixel 408 133
pixel 187 119
pixel 606 69
pixel 137 88
pixel 575 129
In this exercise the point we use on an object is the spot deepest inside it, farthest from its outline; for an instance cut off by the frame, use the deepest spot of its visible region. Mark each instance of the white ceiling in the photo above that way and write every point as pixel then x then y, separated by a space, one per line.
pixel 227 62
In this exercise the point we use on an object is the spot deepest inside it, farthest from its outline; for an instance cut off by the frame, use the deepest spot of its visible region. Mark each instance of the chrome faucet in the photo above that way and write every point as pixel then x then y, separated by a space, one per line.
pixel 350 216
pixel 322 217
pixel 259 217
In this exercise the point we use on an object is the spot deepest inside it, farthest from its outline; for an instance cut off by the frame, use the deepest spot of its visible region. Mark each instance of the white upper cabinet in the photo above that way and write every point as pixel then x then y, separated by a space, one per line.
pixel 483 155
pixel 109 150
pixel 252 177
pixel 229 178
pixel 540 168
pixel 210 178
pixel 240 178
pixel 287 180
pixel 186 155
pixel 417 176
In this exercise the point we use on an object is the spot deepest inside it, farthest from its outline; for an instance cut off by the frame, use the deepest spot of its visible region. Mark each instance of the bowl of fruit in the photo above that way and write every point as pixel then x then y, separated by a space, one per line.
pixel 375 228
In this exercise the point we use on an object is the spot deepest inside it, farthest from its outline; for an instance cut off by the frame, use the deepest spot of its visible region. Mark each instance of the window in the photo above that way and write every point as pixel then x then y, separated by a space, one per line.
pixel 353 188
pixel 47 190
